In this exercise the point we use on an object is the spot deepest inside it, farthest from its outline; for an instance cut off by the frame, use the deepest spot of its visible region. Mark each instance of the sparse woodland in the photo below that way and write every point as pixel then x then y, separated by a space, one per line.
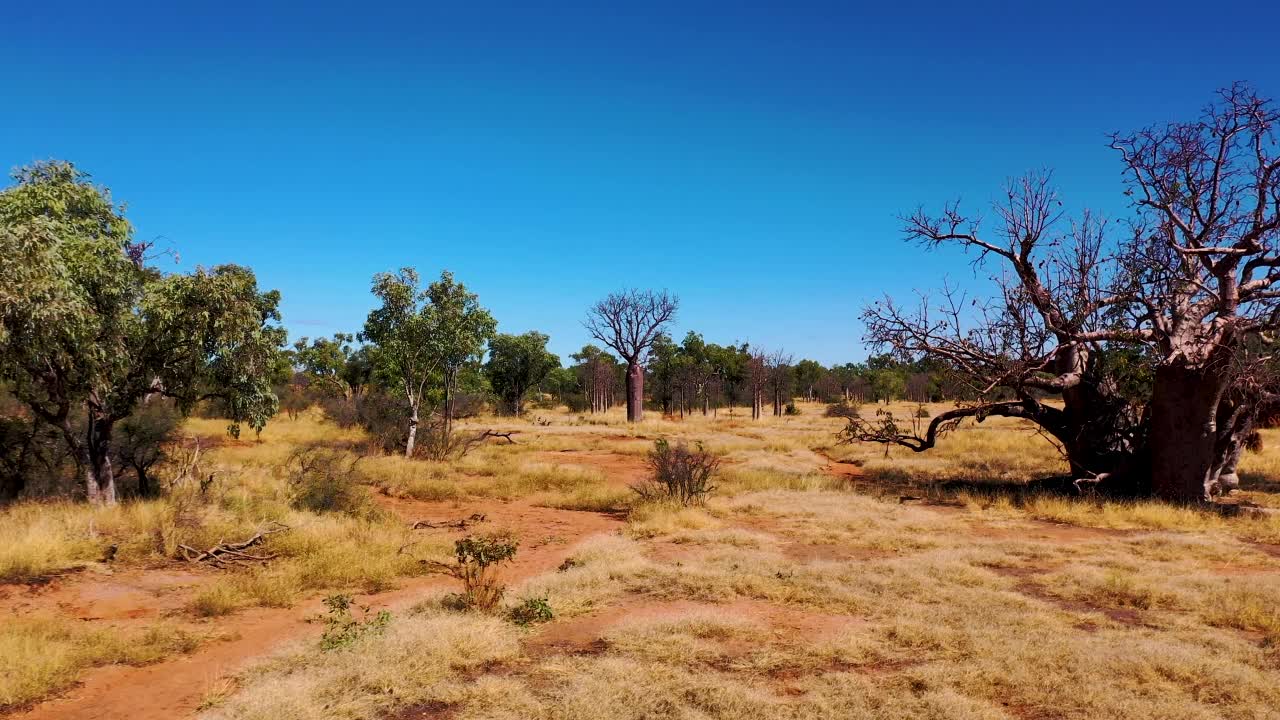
pixel 1062 500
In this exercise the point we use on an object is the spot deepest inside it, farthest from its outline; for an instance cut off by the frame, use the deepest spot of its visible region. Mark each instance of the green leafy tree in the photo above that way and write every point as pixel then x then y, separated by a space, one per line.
pixel 808 373
pixel 887 383
pixel 88 328
pixel 460 329
pixel 562 382
pixel 400 330
pixel 518 363
pixel 323 362
pixel 424 337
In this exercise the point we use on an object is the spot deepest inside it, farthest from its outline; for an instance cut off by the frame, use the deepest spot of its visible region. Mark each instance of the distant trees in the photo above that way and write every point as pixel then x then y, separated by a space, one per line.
pixel 518 363
pixel 756 380
pixel 808 374
pixel 323 362
pixel 778 366
pixel 88 329
pixel 597 373
pixel 628 322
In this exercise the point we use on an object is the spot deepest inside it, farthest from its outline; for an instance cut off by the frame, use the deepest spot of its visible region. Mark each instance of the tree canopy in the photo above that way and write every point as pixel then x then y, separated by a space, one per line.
pixel 88 328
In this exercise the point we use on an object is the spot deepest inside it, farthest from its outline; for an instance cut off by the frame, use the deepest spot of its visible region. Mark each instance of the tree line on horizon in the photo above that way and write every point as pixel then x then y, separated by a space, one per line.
pixel 102 353
pixel 1145 349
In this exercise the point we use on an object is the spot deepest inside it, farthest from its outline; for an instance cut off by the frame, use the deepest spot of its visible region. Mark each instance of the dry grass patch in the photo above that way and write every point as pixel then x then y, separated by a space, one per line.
pixel 42 655
pixel 424 658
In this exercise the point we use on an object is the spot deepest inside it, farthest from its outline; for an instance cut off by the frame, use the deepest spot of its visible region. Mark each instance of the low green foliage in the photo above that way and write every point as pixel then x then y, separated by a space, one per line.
pixel 343 627
pixel 531 612
pixel 476 558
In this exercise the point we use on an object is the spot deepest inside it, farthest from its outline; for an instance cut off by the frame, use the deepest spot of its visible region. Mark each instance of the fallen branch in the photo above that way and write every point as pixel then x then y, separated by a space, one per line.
pixel 462 524
pixel 504 435
pixel 225 555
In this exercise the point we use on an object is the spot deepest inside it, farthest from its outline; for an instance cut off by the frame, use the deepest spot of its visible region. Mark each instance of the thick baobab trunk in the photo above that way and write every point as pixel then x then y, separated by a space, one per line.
pixel 635 392
pixel 1189 451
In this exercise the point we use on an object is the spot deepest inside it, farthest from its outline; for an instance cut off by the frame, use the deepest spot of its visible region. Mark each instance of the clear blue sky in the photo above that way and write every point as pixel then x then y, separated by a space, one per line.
pixel 751 158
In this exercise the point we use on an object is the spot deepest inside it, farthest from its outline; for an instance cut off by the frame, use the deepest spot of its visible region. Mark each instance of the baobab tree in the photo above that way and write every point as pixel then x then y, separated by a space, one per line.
pixel 1155 335
pixel 756 379
pixel 779 368
pixel 628 322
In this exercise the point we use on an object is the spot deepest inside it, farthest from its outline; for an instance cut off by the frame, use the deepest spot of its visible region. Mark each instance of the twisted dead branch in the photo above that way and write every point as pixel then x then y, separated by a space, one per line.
pixel 225 555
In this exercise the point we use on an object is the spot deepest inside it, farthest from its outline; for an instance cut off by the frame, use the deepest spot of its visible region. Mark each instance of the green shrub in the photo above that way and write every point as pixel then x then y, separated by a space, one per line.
pixel 843 409
pixel 475 562
pixel 342 627
pixel 323 479
pixel 531 612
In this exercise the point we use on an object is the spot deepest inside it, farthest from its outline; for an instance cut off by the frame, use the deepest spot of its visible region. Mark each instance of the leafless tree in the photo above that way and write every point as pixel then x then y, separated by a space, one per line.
pixel 756 380
pixel 778 365
pixel 628 322
pixel 1185 292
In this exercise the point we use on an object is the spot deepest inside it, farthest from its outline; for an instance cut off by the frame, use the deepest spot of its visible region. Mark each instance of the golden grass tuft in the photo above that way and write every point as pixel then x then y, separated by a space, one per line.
pixel 42 655
pixel 419 659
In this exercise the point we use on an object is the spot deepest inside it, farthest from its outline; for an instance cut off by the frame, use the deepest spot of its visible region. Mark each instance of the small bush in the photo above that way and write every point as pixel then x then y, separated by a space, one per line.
pixel 680 473
pixel 324 480
pixel 791 409
pixel 475 563
pixel 531 612
pixel 922 411
pixel 342 627
pixel 843 409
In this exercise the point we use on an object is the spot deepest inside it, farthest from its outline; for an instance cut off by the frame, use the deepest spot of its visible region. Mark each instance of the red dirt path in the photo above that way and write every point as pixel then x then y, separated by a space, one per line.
pixel 174 688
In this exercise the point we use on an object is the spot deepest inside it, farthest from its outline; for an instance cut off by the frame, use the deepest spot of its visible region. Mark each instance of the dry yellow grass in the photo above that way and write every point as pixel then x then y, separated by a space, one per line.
pixel 44 654
pixel 791 594
pixel 856 607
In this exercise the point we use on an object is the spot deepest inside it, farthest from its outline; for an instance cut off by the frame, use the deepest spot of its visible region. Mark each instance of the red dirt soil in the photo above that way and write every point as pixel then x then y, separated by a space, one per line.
pixel 174 688
pixel 618 470
pixel 586 633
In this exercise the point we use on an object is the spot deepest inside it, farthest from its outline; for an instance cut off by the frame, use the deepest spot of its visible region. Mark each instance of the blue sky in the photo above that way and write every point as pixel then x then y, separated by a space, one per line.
pixel 751 158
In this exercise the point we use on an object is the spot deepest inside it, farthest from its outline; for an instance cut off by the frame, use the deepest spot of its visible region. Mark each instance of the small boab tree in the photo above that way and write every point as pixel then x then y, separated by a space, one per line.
pixel 629 322
pixel 1144 349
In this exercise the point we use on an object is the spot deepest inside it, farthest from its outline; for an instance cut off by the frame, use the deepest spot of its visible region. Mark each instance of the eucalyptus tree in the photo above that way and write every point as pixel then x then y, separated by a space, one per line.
pixel 324 362
pixel 518 363
pixel 88 328
pixel 400 332
pixel 460 329
pixel 421 338
pixel 628 322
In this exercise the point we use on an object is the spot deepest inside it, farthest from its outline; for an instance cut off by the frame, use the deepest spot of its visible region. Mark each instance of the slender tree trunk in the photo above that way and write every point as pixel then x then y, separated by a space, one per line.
pixel 449 376
pixel 635 392
pixel 413 430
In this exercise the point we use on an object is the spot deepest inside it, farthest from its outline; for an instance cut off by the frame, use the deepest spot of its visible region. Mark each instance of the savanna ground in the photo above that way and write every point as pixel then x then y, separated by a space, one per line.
pixel 820 580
